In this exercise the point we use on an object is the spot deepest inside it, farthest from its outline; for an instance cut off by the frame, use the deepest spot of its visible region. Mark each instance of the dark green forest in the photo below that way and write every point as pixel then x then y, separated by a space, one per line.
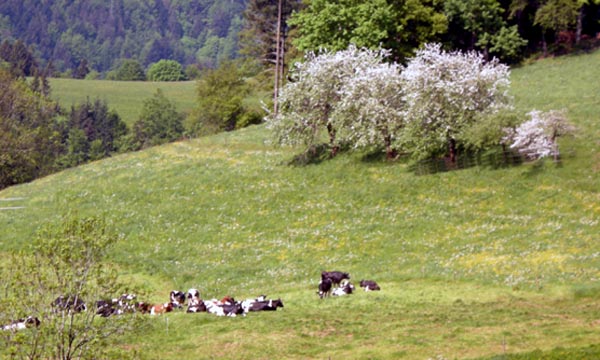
pixel 103 32
pixel 79 36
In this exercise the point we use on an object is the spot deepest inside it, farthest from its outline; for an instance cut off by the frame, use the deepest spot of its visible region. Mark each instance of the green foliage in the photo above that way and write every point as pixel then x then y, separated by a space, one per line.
pixel 105 31
pixel 159 122
pixel 371 24
pixel 508 45
pixel 66 259
pixel 28 136
pixel 557 14
pixel 98 123
pixel 488 131
pixel 130 70
pixel 220 101
pixel 18 57
pixel 166 70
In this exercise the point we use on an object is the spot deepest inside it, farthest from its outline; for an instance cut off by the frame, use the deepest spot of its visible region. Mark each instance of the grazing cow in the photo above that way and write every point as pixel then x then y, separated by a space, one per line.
pixel 369 285
pixel 324 287
pixel 161 308
pixel 69 303
pixel 344 289
pixel 177 299
pixel 336 277
pixel 266 305
pixel 22 324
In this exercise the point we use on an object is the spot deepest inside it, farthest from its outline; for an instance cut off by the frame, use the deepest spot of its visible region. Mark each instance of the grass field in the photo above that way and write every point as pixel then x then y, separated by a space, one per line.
pixel 473 264
pixel 125 97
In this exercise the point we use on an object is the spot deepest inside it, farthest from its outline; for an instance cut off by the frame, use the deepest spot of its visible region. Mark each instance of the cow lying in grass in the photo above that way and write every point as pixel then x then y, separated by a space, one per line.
pixel 116 306
pixel 369 285
pixel 21 324
pixel 345 288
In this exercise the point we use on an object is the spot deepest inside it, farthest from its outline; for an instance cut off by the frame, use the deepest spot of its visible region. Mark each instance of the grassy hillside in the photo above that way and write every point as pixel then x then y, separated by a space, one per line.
pixel 473 263
pixel 125 97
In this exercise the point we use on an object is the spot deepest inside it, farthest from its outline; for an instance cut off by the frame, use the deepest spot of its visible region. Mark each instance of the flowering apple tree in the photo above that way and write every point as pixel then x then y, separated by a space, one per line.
pixel 446 93
pixel 308 104
pixel 537 137
pixel 373 104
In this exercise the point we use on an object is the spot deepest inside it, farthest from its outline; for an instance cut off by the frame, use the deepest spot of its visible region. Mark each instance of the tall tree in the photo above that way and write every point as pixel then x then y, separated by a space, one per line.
pixel 159 122
pixel 555 16
pixel 220 93
pixel 29 140
pixel 447 93
pixel 399 25
pixel 264 36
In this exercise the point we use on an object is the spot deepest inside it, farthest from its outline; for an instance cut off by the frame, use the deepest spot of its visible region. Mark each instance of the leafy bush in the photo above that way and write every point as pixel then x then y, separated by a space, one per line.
pixel 159 122
pixel 67 260
pixel 130 70
pixel 166 70
pixel 220 95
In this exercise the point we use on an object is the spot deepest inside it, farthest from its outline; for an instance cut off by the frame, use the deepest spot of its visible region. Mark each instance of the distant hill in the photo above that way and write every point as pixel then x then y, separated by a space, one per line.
pixel 105 31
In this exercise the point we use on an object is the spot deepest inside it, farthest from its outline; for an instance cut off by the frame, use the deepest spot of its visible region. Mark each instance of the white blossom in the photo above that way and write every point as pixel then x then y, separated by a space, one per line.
pixel 447 92
pixel 309 102
pixel 537 137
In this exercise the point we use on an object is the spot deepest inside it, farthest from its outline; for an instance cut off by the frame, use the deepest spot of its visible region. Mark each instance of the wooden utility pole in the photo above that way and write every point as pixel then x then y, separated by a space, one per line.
pixel 278 59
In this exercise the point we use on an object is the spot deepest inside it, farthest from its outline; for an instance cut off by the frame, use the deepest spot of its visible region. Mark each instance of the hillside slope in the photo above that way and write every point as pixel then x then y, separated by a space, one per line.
pixel 472 263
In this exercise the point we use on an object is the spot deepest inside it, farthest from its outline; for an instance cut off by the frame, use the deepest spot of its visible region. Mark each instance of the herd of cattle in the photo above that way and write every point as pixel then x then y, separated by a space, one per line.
pixel 343 286
pixel 335 283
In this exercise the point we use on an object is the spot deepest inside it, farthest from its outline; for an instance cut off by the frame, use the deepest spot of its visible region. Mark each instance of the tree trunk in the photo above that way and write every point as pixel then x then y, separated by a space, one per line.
pixel 390 152
pixel 579 28
pixel 452 149
pixel 544 44
pixel 334 148
pixel 277 59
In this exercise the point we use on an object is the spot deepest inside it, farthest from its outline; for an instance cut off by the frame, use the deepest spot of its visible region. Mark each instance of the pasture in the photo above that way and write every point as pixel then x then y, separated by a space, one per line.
pixel 124 97
pixel 474 263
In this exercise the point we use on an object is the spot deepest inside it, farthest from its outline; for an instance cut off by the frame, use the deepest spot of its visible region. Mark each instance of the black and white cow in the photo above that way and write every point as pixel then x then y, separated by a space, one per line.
pixel 369 285
pixel 266 305
pixel 116 306
pixel 177 298
pixel 21 324
pixel 346 288
pixel 336 277
pixel 325 286
pixel 195 303
pixel 69 303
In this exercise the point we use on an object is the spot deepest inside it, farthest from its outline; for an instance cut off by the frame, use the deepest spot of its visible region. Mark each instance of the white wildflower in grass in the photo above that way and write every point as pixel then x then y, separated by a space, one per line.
pixel 537 137
pixel 447 92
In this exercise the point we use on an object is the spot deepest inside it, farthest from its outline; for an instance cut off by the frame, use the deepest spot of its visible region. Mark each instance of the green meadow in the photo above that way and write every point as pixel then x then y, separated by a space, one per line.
pixel 124 97
pixel 477 263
